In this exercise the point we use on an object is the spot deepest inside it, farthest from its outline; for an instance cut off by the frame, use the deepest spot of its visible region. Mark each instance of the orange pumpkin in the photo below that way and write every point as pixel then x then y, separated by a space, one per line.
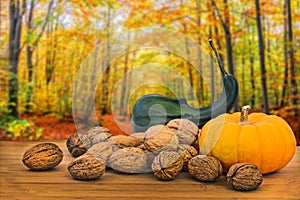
pixel 264 140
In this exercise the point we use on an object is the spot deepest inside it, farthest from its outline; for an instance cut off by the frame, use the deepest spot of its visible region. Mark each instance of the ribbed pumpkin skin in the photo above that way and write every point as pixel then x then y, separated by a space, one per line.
pixel 267 142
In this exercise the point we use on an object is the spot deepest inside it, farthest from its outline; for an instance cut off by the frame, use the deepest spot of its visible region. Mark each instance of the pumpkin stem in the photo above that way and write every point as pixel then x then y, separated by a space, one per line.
pixel 244 115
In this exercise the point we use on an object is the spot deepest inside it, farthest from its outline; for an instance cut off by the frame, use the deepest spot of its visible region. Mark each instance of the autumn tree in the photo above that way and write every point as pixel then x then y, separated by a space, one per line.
pixel 291 57
pixel 262 57
pixel 33 38
pixel 16 12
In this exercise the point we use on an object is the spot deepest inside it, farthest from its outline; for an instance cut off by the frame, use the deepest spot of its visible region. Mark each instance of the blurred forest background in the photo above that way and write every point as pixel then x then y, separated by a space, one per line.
pixel 43 43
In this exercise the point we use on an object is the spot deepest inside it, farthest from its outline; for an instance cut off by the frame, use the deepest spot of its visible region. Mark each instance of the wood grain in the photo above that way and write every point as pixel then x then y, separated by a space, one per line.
pixel 17 182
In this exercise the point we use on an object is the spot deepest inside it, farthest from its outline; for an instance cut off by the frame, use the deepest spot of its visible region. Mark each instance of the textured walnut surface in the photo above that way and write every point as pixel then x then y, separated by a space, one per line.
pixel 42 156
pixel 205 168
pixel 186 130
pixel 125 141
pixel 86 167
pixel 102 150
pixel 167 165
pixel 78 144
pixel 128 160
pixel 160 140
pixel 244 176
pixel 98 134
pixel 187 152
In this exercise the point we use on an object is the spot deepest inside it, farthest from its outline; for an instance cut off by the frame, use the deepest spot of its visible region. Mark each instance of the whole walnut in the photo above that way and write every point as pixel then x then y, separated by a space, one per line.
pixel 186 130
pixel 187 152
pixel 125 141
pixel 244 176
pixel 42 156
pixel 86 167
pixel 98 134
pixel 128 160
pixel 102 150
pixel 205 168
pixel 160 140
pixel 167 165
pixel 78 144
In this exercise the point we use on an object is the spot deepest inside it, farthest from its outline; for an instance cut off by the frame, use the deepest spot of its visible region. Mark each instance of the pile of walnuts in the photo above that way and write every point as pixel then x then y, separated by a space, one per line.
pixel 165 150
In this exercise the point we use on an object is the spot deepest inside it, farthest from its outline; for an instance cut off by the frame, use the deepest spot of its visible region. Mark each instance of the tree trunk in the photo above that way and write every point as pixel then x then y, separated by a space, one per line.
pixel 29 53
pixel 105 79
pixel 189 68
pixel 286 64
pixel 291 58
pixel 226 27
pixel 16 12
pixel 269 60
pixel 124 88
pixel 200 79
pixel 31 46
pixel 262 57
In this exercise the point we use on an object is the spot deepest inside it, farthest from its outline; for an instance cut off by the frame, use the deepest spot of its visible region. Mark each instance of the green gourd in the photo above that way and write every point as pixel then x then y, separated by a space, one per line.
pixel 156 109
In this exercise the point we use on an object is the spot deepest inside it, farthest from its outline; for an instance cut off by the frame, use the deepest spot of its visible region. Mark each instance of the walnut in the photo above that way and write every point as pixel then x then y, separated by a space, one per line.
pixel 140 135
pixel 42 156
pixel 102 150
pixel 205 168
pixel 125 141
pixel 153 129
pixel 128 160
pixel 160 140
pixel 86 167
pixel 78 144
pixel 244 176
pixel 185 129
pixel 167 165
pixel 187 152
pixel 196 142
pixel 98 134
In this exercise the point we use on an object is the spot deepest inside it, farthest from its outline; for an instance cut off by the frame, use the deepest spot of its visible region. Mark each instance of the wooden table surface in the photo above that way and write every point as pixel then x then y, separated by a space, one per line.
pixel 17 182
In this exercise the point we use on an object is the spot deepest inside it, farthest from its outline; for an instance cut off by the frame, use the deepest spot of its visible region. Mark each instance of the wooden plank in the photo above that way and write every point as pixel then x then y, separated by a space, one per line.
pixel 17 182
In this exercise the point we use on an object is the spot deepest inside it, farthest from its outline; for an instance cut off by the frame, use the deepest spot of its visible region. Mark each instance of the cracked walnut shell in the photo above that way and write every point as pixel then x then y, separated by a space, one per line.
pixel 244 176
pixel 205 168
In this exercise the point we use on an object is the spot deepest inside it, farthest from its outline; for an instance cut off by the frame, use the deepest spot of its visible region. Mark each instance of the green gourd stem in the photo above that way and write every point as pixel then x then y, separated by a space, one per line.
pixel 220 62
pixel 244 115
